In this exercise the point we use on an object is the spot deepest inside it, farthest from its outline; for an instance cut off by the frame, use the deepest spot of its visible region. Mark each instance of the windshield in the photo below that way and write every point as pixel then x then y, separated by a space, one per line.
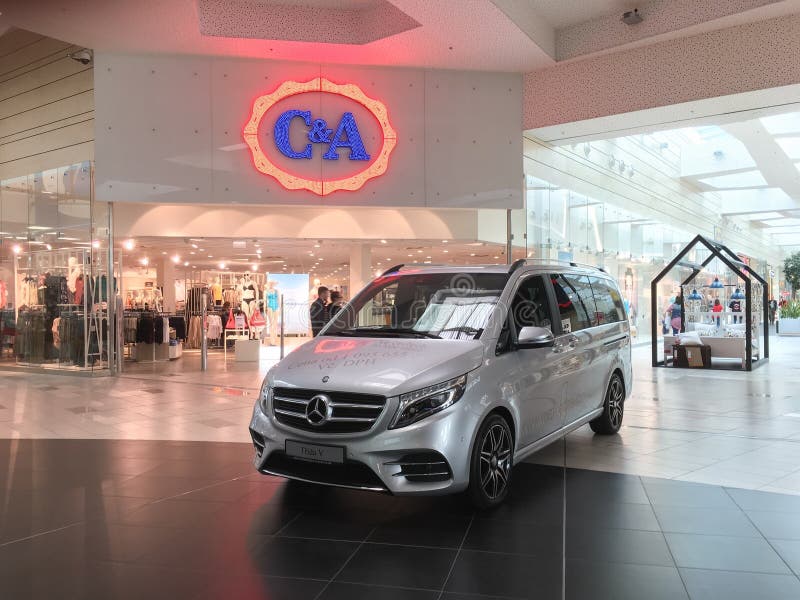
pixel 434 305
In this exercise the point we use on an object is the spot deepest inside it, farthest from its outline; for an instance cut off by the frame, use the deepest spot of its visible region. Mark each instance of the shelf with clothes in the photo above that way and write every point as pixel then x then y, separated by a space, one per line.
pixel 144 331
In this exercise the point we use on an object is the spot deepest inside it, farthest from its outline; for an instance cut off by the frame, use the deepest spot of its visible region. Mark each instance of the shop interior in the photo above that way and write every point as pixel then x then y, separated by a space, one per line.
pixel 254 294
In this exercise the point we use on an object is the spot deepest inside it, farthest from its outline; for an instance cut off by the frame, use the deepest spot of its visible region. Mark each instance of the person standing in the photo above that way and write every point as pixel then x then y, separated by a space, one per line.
pixel 773 311
pixel 337 302
pixel 674 314
pixel 319 310
pixel 717 308
pixel 736 307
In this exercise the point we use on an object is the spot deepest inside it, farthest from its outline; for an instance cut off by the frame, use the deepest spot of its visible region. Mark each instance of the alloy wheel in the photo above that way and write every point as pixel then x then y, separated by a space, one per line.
pixel 616 398
pixel 495 461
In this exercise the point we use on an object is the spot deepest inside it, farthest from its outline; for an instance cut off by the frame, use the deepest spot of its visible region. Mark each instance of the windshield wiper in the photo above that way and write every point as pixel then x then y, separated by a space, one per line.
pixel 390 331
pixel 463 329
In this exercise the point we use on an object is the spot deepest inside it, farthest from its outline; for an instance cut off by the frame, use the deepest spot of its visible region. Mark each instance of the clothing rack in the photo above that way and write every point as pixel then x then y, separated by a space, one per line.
pixel 148 333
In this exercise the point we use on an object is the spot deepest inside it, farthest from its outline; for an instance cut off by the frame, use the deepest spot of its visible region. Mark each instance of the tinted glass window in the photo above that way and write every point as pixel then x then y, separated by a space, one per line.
pixel 531 306
pixel 575 302
pixel 607 300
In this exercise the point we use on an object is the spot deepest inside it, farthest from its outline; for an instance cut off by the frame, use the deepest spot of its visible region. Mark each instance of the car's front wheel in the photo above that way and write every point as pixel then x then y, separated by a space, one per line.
pixel 491 463
pixel 613 408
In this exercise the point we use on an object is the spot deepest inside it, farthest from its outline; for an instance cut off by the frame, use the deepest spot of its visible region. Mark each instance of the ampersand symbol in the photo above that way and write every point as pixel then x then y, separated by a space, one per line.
pixel 320 134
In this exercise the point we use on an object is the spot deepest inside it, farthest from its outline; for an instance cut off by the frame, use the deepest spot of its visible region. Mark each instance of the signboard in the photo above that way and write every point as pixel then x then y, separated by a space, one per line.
pixel 297 134
pixel 294 289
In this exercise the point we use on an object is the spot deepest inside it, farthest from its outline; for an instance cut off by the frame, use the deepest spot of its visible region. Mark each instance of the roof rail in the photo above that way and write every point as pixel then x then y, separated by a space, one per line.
pixel 391 270
pixel 516 265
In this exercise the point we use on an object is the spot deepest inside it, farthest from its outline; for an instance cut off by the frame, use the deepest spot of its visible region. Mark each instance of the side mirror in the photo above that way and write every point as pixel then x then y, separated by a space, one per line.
pixel 535 337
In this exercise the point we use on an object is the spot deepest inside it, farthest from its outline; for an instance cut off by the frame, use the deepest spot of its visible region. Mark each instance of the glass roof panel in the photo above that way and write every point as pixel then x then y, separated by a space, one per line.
pixel 736 180
pixel 782 124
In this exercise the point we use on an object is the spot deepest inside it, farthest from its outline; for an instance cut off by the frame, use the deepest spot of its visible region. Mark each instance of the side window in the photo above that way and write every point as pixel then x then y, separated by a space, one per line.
pixel 608 301
pixel 575 302
pixel 530 307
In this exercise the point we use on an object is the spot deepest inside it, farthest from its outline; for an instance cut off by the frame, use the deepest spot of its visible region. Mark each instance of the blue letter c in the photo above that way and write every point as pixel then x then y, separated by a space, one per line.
pixel 282 133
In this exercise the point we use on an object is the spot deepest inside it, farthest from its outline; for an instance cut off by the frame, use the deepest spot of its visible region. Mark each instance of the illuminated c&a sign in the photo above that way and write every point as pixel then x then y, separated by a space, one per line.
pixel 298 133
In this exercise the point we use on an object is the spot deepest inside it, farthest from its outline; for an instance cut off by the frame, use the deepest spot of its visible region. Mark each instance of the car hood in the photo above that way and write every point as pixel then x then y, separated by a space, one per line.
pixel 371 365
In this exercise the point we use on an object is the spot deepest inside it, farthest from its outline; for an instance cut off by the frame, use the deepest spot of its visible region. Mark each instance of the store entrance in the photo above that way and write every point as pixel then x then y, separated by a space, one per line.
pixel 251 296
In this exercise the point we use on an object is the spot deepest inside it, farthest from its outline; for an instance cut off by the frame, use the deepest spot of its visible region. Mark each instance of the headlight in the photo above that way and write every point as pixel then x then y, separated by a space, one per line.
pixel 264 396
pixel 428 401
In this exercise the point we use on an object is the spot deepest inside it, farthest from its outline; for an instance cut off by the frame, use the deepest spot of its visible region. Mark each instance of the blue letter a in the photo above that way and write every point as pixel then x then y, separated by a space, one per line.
pixel 353 140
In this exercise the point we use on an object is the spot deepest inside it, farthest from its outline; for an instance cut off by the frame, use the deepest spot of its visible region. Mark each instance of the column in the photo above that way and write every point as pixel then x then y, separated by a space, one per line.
pixel 165 279
pixel 360 267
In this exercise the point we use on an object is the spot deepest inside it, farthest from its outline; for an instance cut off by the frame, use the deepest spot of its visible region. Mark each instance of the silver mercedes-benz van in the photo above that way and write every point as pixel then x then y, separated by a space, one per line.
pixel 435 380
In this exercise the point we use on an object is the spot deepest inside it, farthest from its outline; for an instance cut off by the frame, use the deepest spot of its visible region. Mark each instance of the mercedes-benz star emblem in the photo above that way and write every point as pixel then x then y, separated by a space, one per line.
pixel 318 410
pixel 326 379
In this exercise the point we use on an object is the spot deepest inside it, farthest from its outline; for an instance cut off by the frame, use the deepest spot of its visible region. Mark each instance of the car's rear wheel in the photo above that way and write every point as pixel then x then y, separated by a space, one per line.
pixel 491 463
pixel 613 408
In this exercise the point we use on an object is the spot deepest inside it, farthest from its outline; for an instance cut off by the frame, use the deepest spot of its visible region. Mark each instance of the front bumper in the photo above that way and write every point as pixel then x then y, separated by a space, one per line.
pixel 430 457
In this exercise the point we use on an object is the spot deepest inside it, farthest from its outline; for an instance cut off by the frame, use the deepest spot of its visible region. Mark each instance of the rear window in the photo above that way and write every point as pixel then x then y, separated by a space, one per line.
pixel 608 301
pixel 576 304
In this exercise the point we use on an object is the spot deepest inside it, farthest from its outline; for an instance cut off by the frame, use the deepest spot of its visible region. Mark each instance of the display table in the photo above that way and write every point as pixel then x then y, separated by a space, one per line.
pixel 234 334
pixel 691 356
pixel 247 350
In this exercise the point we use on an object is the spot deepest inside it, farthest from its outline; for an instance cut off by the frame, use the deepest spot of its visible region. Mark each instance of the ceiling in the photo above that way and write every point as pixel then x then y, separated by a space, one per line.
pixel 494 35
pixel 327 260
pixel 751 165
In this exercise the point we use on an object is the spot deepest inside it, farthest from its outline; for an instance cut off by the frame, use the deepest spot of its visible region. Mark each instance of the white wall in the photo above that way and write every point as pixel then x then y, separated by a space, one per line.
pixel 169 130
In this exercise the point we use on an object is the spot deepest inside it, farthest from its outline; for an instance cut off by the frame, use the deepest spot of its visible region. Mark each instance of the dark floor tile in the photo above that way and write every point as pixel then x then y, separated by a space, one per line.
pixel 264 519
pixel 593 581
pixel 422 530
pixel 289 557
pixel 666 492
pixel 618 546
pixel 494 535
pixel 156 488
pixel 328 525
pixel 174 513
pixel 755 500
pixel 611 516
pixel 789 551
pixel 262 588
pixel 776 525
pixel 401 566
pixel 598 487
pixel 351 591
pixel 228 491
pixel 725 553
pixel 511 575
pixel 727 585
pixel 705 521
pixel 450 596
pixel 101 581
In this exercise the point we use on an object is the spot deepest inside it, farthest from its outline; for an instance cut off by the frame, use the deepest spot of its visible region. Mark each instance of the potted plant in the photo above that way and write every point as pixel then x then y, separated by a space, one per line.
pixel 789 320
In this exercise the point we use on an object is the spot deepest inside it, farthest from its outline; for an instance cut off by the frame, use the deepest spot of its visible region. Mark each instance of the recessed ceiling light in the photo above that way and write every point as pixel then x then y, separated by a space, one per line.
pixel 16 249
pixel 186 263
pixel 194 246
pixel 444 241
pixel 473 254
pixel 164 252
pixel 383 241
pixel 192 253
pixel 445 251
pixel 176 259
pixel 221 265
pixel 145 261
pixel 95 243
pixel 128 244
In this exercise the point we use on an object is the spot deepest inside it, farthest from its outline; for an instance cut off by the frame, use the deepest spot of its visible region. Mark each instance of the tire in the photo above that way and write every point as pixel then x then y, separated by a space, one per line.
pixel 491 463
pixel 613 408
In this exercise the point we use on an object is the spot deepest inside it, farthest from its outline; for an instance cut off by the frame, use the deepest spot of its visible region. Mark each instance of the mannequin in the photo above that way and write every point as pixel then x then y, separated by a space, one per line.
pixel 216 292
pixel 75 271
pixel 271 309
pixel 249 295
pixel 138 301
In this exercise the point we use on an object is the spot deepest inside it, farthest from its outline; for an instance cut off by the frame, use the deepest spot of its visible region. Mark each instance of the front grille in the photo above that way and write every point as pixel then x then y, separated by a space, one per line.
pixel 351 413
pixel 423 467
pixel 350 474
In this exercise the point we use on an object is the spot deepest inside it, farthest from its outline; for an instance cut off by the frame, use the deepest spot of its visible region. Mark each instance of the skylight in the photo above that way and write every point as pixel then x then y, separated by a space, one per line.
pixel 791 146
pixel 782 124
pixel 736 180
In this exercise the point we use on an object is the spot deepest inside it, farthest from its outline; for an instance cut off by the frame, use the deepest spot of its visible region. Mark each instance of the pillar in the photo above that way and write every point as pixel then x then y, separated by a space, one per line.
pixel 165 279
pixel 360 268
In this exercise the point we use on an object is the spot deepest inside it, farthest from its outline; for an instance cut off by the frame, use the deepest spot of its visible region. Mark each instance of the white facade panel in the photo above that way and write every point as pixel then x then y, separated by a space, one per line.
pixel 170 130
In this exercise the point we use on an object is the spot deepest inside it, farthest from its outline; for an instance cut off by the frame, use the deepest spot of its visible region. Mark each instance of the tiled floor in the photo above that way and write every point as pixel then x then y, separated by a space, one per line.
pixel 720 427
pixel 85 519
